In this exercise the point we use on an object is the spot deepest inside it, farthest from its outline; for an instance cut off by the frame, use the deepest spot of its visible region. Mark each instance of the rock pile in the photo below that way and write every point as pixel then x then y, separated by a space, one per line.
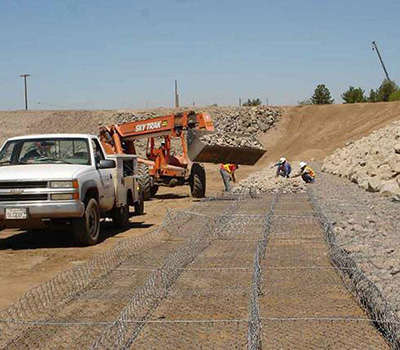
pixel 265 181
pixel 246 120
pixel 372 162
pixel 124 117
pixel 233 140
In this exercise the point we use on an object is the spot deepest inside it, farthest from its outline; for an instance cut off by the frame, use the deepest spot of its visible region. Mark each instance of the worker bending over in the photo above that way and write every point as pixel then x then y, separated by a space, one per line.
pixel 227 172
pixel 284 169
pixel 306 173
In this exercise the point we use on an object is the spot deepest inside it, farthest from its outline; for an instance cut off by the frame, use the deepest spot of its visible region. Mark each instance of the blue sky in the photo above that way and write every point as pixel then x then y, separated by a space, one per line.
pixel 126 54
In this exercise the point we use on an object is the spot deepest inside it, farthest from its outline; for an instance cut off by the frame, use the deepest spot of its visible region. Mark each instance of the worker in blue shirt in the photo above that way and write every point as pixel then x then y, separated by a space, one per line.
pixel 283 168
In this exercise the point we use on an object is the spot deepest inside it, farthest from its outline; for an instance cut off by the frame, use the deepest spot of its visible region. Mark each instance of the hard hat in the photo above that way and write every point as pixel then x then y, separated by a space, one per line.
pixel 303 164
pixel 282 160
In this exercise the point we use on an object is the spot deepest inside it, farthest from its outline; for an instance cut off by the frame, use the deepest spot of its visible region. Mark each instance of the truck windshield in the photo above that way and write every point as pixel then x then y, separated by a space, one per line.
pixel 46 151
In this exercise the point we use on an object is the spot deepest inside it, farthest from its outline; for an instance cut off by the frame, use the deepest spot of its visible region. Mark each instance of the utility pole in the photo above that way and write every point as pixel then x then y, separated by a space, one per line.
pixel 240 102
pixel 375 47
pixel 176 95
pixel 26 90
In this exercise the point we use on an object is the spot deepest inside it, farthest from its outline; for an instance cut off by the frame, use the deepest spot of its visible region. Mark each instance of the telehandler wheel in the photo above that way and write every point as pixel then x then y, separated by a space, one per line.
pixel 87 228
pixel 139 205
pixel 144 180
pixel 197 181
pixel 120 216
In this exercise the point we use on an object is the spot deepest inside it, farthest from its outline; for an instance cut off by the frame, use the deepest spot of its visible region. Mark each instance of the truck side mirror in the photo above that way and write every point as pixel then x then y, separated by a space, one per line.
pixel 106 164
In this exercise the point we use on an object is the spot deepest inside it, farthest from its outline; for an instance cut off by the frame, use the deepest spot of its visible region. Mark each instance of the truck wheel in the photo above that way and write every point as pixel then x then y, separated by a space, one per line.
pixel 144 180
pixel 121 216
pixel 153 190
pixel 197 181
pixel 87 228
pixel 139 205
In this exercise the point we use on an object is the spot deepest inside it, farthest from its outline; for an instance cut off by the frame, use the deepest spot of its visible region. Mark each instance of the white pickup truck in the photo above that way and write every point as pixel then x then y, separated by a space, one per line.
pixel 66 179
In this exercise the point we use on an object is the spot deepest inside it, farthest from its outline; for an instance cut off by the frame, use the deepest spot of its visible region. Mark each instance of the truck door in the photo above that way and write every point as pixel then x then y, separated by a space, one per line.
pixel 105 176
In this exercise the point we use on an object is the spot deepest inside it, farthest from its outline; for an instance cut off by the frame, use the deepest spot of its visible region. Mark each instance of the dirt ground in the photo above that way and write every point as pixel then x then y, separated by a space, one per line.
pixel 32 258
pixel 29 259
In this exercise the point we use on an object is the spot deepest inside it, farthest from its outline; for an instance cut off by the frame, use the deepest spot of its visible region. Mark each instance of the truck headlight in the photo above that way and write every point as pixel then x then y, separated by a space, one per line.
pixel 63 196
pixel 64 184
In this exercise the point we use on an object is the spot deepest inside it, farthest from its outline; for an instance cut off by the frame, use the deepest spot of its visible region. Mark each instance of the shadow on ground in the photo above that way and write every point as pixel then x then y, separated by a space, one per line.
pixel 171 196
pixel 52 238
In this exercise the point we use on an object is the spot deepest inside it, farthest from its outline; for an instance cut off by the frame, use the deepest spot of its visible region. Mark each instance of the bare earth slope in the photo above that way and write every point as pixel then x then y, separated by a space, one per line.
pixel 315 131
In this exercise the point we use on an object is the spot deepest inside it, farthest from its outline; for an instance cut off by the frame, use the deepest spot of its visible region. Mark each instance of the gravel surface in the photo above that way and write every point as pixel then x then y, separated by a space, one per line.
pixel 265 181
pixel 367 226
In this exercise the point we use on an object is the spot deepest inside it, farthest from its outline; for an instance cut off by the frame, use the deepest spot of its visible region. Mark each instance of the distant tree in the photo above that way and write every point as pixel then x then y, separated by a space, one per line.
pixel 354 95
pixel 253 102
pixel 305 102
pixel 322 96
pixel 387 88
pixel 373 96
pixel 395 96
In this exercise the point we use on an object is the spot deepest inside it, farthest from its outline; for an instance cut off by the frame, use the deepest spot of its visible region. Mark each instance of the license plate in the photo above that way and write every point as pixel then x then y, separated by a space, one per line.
pixel 16 213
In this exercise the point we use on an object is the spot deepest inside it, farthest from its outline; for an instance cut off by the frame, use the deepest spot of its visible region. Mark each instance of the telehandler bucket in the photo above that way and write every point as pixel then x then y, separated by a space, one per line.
pixel 201 152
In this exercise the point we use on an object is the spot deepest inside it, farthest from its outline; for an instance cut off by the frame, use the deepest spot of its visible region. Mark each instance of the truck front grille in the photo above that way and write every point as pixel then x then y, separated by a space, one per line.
pixel 22 197
pixel 23 184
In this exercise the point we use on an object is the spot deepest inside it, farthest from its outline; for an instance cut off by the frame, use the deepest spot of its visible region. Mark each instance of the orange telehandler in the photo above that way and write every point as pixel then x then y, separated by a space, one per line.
pixel 161 168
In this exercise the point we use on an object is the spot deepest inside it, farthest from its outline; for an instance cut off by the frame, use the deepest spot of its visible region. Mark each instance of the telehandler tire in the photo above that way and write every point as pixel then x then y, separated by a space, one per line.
pixel 197 181
pixel 145 180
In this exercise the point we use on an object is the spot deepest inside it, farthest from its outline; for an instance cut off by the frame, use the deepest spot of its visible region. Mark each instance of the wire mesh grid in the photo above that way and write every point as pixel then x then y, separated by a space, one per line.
pixel 250 272
pixel 209 287
pixel 104 284
pixel 318 333
pixel 302 293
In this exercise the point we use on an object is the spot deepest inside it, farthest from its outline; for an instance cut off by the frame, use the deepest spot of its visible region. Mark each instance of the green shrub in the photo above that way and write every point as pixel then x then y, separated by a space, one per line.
pixel 395 96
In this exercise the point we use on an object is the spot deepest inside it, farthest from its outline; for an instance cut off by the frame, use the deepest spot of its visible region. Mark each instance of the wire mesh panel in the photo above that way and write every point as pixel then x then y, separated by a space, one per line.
pixel 53 335
pixel 301 290
pixel 320 333
pixel 193 335
pixel 215 286
pixel 225 253
pixel 216 294
pixel 296 253
pixel 305 293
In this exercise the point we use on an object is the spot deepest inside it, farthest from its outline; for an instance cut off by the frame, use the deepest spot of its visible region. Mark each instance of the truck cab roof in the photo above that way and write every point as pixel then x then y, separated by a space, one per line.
pixel 47 136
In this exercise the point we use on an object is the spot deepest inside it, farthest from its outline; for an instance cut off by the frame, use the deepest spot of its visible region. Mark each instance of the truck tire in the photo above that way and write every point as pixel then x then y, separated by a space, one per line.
pixel 87 228
pixel 121 216
pixel 153 190
pixel 197 181
pixel 139 205
pixel 144 180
